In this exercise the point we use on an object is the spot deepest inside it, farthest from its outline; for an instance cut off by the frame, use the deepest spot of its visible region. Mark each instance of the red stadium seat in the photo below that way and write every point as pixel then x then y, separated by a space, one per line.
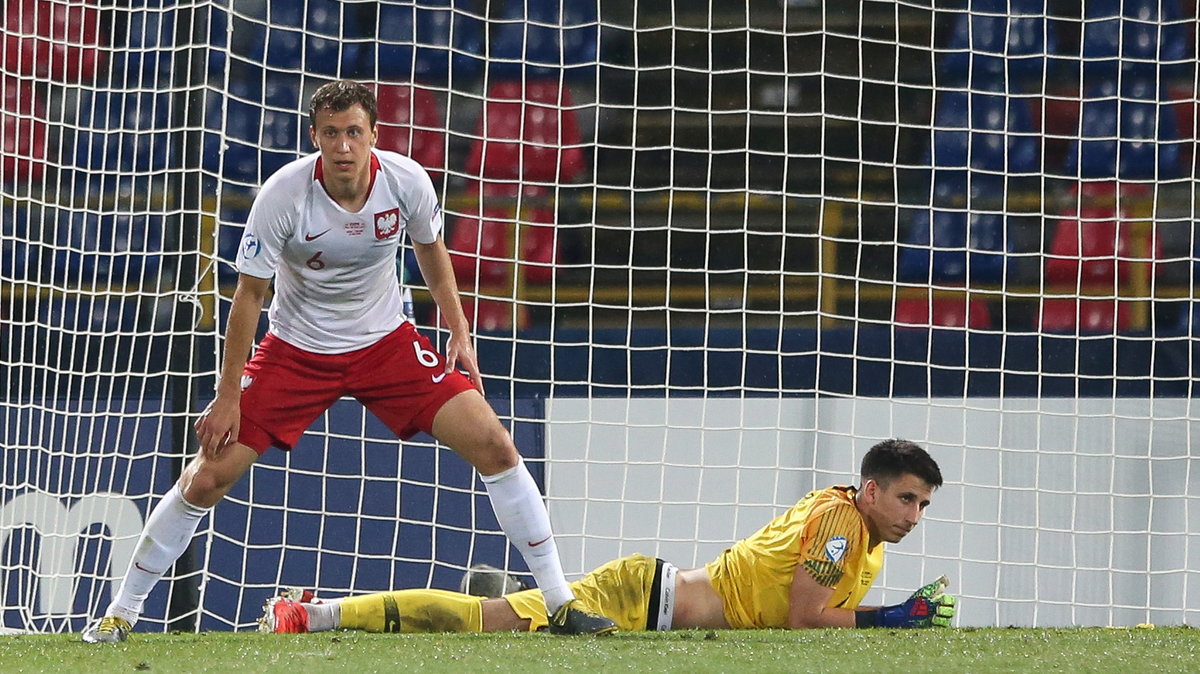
pixel 411 123
pixel 1092 249
pixel 488 315
pixel 539 246
pixel 527 133
pixel 1064 314
pixel 481 250
pixel 23 120
pixel 62 41
pixel 946 312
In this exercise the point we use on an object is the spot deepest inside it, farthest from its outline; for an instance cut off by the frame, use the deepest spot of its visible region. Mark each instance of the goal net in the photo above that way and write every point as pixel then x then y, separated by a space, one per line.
pixel 712 252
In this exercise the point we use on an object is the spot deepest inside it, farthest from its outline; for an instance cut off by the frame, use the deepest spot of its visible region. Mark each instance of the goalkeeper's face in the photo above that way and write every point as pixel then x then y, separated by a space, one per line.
pixel 345 138
pixel 895 506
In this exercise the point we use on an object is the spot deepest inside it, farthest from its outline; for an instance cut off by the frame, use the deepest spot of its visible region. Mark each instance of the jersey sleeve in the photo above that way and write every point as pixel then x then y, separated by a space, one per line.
pixel 423 213
pixel 271 222
pixel 829 539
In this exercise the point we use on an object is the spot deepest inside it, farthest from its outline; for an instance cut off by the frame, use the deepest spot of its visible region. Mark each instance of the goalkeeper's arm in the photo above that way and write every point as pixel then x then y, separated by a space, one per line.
pixel 929 606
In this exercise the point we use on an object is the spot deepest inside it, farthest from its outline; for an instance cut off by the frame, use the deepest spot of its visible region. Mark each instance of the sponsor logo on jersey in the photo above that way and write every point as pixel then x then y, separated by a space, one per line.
pixel 387 223
pixel 314 237
pixel 835 548
pixel 247 380
pixel 251 246
pixel 355 228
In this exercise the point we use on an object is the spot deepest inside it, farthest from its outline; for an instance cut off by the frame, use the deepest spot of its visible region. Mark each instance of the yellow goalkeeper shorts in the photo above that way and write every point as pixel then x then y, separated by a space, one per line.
pixel 636 592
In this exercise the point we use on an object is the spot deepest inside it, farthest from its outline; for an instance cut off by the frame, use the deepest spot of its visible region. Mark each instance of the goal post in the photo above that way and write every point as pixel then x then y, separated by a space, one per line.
pixel 712 253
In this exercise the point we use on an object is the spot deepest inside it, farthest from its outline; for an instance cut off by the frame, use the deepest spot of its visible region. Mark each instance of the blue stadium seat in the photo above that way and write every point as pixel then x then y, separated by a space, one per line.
pixel 1134 38
pixel 94 314
pixel 258 140
pixel 107 249
pixel 1149 146
pixel 948 247
pixel 1005 40
pixel 430 25
pixel 981 136
pixel 120 134
pixel 147 61
pixel 318 37
pixel 543 38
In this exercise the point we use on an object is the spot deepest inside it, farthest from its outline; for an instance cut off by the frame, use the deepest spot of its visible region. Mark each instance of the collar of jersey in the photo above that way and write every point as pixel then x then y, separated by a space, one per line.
pixel 319 173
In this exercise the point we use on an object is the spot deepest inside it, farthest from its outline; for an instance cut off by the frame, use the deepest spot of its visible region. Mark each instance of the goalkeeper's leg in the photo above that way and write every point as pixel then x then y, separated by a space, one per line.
pixel 400 611
pixel 397 611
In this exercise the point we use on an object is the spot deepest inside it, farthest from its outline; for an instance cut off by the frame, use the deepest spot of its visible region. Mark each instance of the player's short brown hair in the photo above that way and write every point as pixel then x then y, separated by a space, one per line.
pixel 890 459
pixel 341 95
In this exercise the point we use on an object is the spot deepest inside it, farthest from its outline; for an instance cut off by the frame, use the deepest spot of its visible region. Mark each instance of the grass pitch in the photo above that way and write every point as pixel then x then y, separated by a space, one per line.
pixel 1175 649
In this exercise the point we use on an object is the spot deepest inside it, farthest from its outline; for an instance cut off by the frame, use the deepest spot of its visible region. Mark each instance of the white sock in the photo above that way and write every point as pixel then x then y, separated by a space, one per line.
pixel 524 519
pixel 169 529
pixel 324 617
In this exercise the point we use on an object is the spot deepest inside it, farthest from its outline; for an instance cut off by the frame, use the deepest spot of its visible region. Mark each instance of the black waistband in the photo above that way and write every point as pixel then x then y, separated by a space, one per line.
pixel 655 597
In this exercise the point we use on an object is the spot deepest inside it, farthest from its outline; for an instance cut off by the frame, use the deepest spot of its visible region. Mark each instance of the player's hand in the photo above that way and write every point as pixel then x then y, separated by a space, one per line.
pixel 929 606
pixel 218 425
pixel 460 351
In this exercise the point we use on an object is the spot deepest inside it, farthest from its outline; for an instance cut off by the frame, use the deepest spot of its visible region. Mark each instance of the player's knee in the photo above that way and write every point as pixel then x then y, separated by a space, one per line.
pixel 203 488
pixel 496 453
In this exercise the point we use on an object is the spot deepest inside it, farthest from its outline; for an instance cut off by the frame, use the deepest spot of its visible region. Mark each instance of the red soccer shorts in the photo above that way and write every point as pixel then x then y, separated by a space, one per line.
pixel 401 379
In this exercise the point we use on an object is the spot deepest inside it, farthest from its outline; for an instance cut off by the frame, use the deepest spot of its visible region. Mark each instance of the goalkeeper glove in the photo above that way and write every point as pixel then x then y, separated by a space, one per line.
pixel 929 606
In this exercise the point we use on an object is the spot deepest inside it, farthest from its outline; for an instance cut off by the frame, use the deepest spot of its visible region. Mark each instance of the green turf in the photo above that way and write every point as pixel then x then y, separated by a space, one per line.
pixel 1127 651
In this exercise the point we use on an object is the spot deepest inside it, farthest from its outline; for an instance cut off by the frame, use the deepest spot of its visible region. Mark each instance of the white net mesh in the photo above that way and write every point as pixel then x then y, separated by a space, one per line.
pixel 713 252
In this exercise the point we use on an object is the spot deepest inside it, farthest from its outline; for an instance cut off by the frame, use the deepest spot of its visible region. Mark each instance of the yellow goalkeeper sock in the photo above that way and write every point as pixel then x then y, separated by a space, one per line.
pixel 413 611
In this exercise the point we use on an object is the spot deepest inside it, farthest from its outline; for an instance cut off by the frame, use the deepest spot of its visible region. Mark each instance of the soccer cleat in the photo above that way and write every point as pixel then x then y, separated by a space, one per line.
pixel 571 620
pixel 283 615
pixel 107 630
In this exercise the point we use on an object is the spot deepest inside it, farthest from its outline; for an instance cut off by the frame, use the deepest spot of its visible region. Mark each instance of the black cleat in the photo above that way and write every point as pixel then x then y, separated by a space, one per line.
pixel 570 620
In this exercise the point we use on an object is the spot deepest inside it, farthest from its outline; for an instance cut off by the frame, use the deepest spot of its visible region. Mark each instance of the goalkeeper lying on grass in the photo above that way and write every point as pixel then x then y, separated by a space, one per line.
pixel 809 567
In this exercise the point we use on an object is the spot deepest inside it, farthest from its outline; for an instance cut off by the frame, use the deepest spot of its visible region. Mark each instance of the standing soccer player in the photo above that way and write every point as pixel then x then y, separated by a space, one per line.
pixel 327 227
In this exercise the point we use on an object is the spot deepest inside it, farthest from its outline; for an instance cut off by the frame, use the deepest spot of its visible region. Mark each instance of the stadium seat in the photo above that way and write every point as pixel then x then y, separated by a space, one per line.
pixel 490 315
pixel 62 41
pixel 1183 102
pixel 539 246
pixel 543 39
pixel 450 43
pixel 954 312
pixel 1084 251
pixel 1127 39
pixel 481 249
pixel 1001 40
pixel 1066 314
pixel 527 132
pixel 23 120
pixel 411 123
pixel 948 246
pixel 123 132
pixel 1149 147
pixel 981 137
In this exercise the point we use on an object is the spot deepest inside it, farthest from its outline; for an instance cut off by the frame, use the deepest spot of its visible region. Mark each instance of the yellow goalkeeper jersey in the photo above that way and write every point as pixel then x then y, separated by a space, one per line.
pixel 824 533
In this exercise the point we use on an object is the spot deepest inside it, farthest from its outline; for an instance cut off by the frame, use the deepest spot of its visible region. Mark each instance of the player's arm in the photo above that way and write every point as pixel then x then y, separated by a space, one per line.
pixel 807 604
pixel 220 423
pixel 434 261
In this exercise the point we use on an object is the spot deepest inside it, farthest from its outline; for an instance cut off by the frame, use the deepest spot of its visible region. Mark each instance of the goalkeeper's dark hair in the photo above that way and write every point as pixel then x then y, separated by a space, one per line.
pixel 342 95
pixel 890 459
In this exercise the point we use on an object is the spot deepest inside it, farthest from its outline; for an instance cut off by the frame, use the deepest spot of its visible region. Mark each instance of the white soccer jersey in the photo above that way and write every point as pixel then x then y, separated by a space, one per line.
pixel 335 271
